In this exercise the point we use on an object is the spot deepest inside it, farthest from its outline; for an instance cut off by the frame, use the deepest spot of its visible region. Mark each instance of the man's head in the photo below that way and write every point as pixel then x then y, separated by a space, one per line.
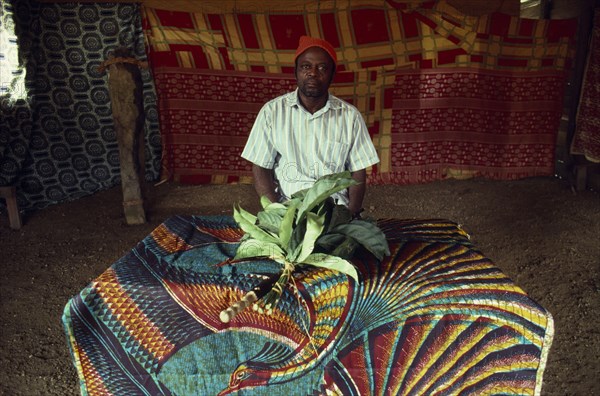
pixel 315 66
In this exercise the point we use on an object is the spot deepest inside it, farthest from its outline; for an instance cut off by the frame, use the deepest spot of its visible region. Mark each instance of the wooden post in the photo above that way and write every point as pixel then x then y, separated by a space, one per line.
pixel 14 216
pixel 125 87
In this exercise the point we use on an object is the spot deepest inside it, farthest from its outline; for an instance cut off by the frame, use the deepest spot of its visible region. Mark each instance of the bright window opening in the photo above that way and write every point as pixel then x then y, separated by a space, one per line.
pixel 12 74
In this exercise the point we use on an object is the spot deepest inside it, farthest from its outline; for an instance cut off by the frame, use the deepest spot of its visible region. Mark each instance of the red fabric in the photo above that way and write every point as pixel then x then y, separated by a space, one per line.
pixel 208 115
pixel 443 95
pixel 586 141
pixel 453 123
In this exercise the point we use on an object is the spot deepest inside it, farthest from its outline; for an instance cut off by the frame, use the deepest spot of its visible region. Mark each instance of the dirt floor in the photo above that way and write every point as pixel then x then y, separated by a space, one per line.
pixel 540 232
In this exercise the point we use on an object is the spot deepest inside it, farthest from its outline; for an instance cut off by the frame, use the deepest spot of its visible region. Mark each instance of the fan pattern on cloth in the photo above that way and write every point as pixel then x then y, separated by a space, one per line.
pixel 436 317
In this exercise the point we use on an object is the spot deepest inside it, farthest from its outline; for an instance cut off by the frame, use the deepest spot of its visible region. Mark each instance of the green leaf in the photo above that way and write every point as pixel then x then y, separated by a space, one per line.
pixel 340 214
pixel 255 248
pixel 337 245
pixel 243 214
pixel 323 188
pixel 275 207
pixel 295 244
pixel 310 229
pixel 329 241
pixel 345 249
pixel 332 262
pixel 321 208
pixel 269 221
pixel 293 201
pixel 287 224
pixel 300 194
pixel 314 228
pixel 247 222
pixel 368 235
pixel 265 201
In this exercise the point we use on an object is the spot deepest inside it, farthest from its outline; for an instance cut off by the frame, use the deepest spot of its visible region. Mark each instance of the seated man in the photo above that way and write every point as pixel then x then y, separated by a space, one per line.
pixel 303 135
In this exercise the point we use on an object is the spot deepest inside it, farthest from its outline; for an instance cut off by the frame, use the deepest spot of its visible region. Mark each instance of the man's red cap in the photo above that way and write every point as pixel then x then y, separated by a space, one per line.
pixel 308 42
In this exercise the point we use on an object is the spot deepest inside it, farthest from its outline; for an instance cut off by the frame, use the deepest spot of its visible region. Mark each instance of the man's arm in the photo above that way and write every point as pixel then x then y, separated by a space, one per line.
pixel 361 156
pixel 264 182
pixel 356 193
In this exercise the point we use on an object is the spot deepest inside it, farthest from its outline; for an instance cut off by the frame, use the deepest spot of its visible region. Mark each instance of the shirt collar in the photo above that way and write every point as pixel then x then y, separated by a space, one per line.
pixel 332 101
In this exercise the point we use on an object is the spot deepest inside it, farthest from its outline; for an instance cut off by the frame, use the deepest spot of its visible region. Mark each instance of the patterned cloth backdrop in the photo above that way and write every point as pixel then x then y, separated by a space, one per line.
pixel 60 144
pixel 443 94
pixel 587 134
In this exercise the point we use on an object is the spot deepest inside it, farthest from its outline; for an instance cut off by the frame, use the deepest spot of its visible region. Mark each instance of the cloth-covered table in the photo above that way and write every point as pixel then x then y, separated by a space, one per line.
pixel 434 318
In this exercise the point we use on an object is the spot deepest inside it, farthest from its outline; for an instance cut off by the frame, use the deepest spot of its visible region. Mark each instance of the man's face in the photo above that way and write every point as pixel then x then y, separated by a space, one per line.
pixel 314 72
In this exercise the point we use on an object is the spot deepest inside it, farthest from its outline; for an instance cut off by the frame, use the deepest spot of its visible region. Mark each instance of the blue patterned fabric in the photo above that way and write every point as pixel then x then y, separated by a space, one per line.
pixel 60 144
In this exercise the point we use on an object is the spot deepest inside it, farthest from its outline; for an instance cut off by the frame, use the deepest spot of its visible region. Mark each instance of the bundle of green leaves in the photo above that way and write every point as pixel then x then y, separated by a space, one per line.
pixel 308 229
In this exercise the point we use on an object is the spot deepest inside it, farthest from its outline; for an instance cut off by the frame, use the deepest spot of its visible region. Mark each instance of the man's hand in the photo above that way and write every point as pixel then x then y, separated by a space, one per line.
pixel 264 183
pixel 356 193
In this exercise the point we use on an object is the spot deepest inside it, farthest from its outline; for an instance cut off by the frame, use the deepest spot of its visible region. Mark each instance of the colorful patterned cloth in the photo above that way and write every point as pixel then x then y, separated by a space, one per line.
pixel 443 94
pixel 436 317
pixel 586 141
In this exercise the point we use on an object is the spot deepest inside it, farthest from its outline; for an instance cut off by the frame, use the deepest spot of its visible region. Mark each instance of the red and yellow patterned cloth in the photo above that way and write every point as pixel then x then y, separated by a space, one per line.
pixel 586 141
pixel 443 94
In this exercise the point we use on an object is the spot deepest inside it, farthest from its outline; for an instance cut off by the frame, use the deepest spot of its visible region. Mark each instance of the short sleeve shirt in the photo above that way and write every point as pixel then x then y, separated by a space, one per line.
pixel 301 147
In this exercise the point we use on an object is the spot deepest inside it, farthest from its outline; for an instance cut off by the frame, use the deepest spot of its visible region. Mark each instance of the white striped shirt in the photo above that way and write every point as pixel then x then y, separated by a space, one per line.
pixel 301 147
